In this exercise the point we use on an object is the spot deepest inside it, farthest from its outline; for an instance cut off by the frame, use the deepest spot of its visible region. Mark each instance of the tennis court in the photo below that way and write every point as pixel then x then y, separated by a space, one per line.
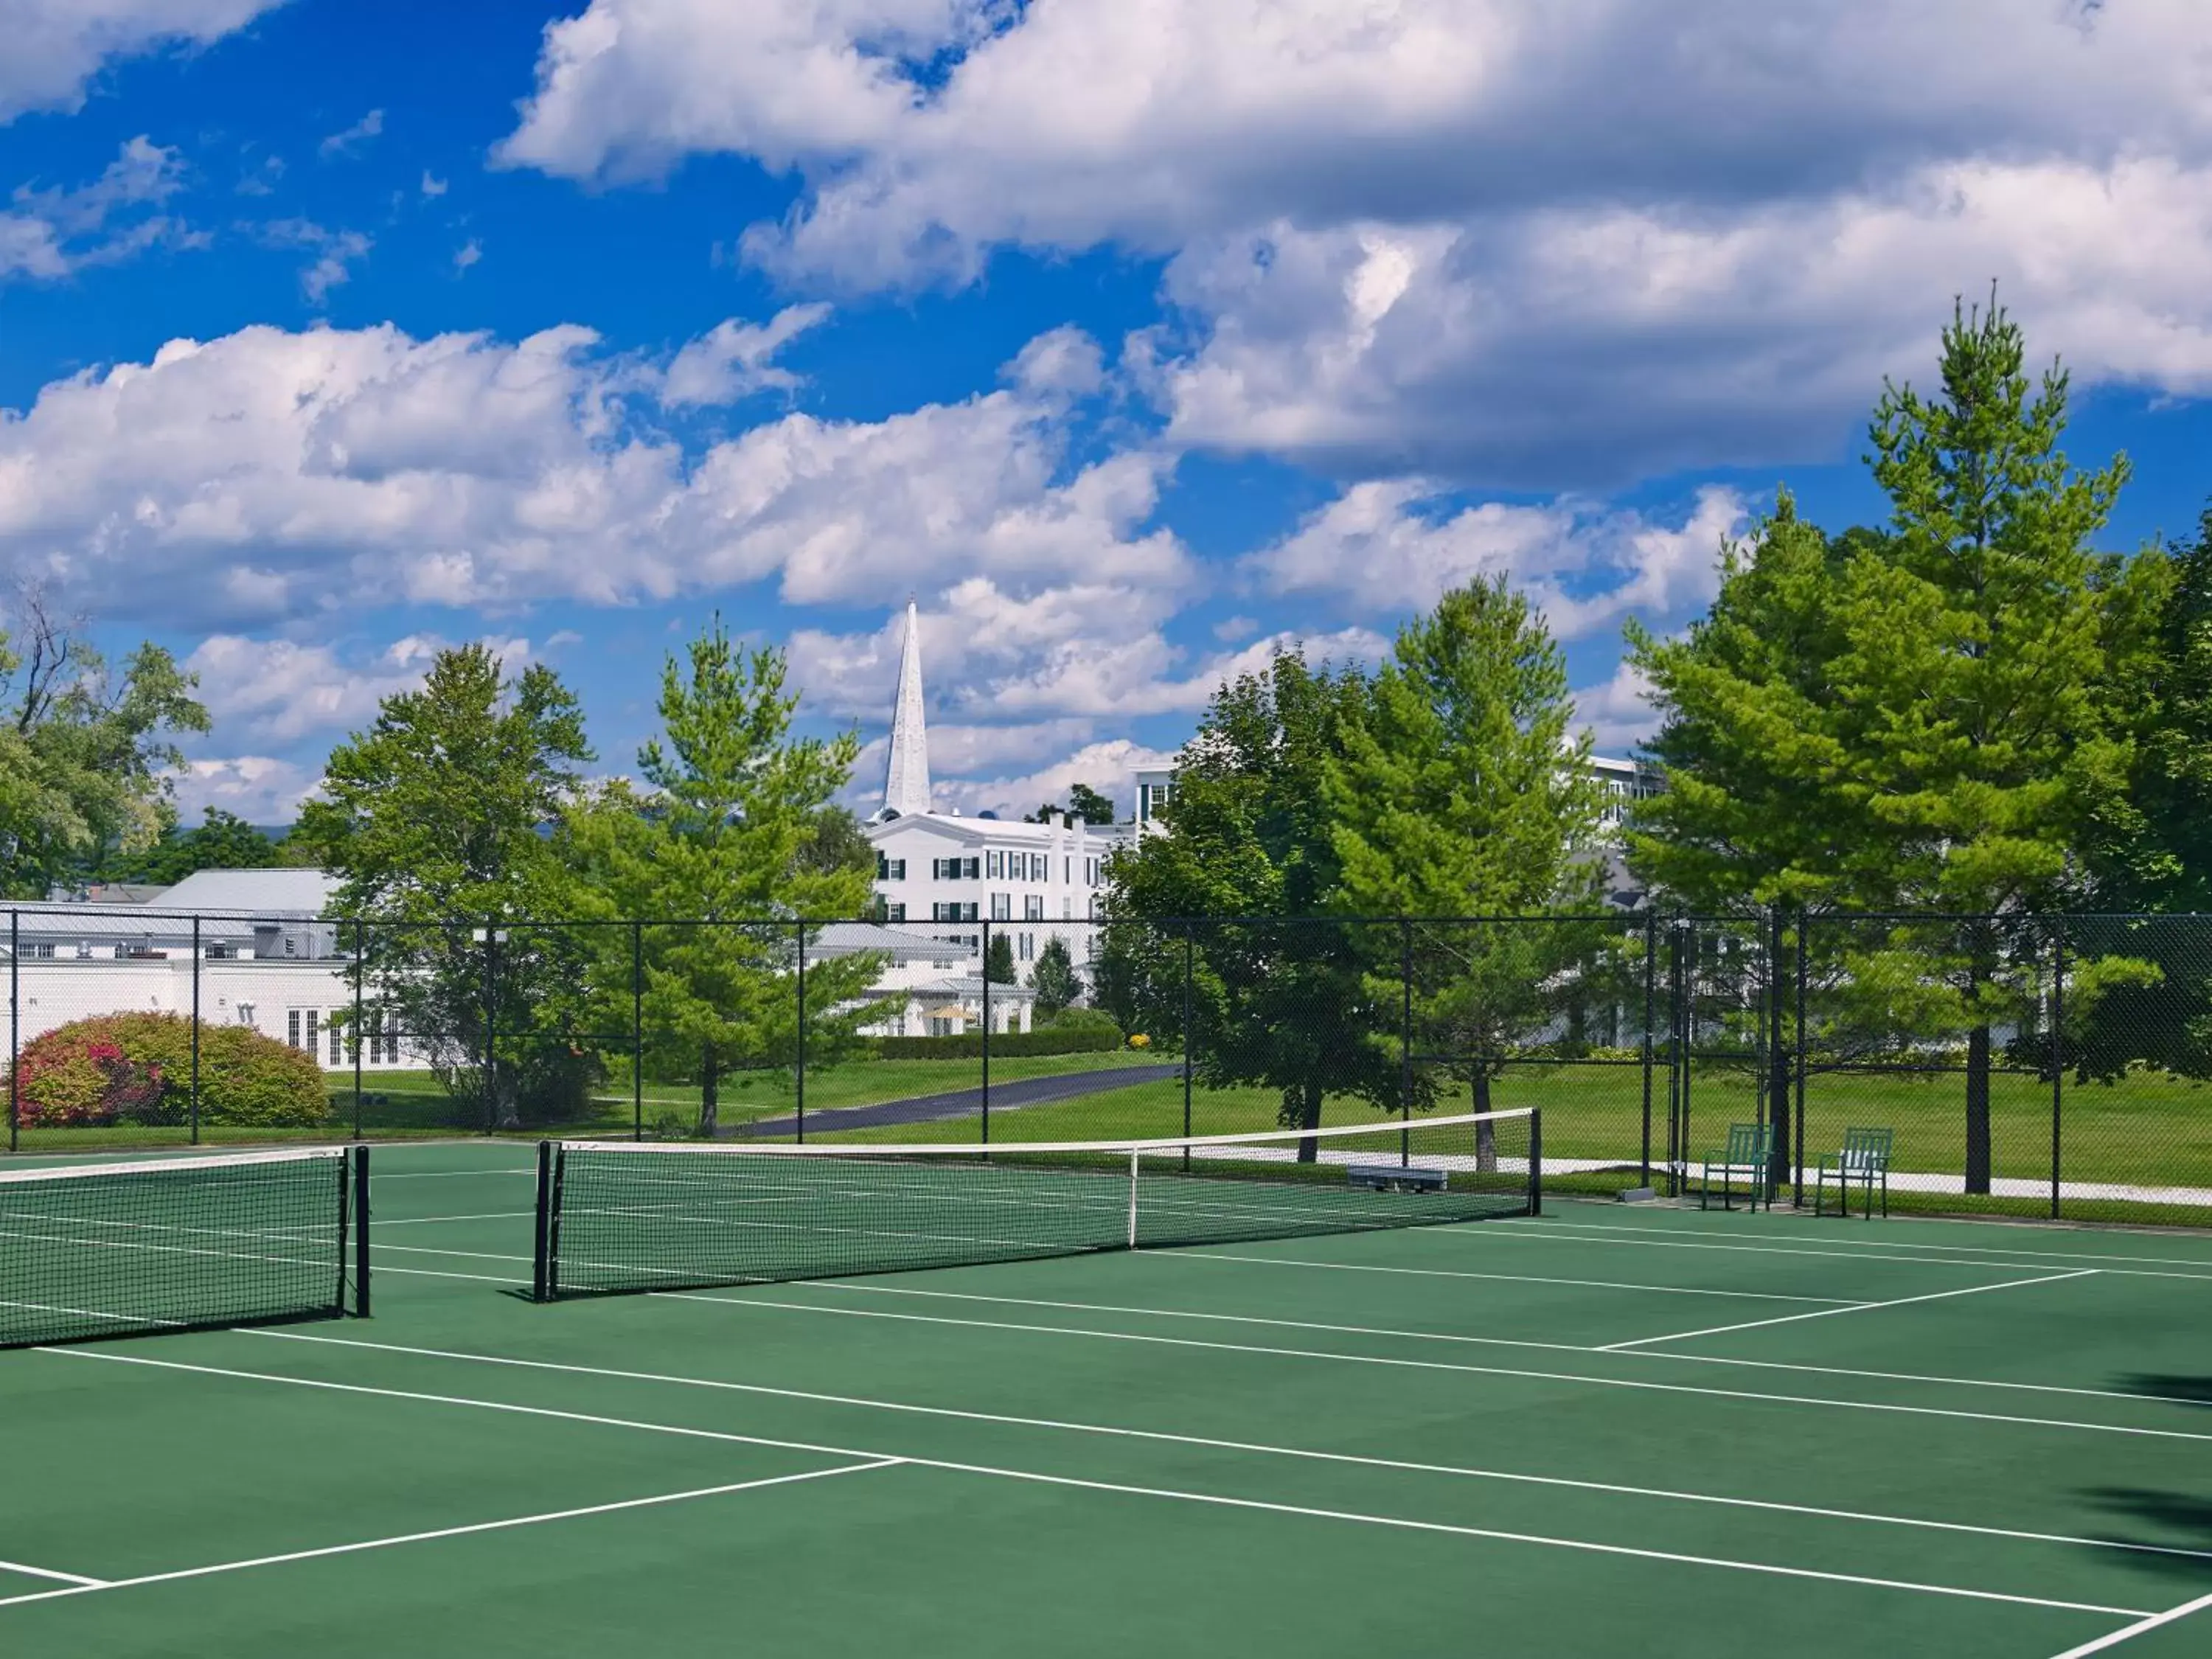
pixel 1600 1430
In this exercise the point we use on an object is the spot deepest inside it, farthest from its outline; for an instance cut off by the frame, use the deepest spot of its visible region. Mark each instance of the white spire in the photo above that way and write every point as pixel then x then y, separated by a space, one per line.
pixel 906 779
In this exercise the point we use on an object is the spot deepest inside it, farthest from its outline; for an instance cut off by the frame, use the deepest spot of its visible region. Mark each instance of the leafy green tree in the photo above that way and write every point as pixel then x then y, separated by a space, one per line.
pixel 434 821
pixel 1464 792
pixel 1084 802
pixel 222 840
pixel 1054 978
pixel 1280 1000
pixel 837 841
pixel 999 961
pixel 1921 719
pixel 85 754
pixel 723 846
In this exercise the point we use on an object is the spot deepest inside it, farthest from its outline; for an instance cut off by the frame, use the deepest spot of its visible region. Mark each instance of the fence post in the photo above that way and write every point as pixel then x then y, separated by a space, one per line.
pixel 2057 1058
pixel 1650 1013
pixel 14 1024
pixel 196 1032
pixel 1405 1041
pixel 1804 943
pixel 1777 1062
pixel 986 969
pixel 359 1031
pixel 1189 1036
pixel 637 1031
pixel 799 1077
pixel 492 1021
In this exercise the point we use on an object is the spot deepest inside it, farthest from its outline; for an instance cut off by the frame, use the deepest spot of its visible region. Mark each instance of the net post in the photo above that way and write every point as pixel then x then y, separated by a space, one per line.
pixel 1189 1034
pixel 1797 1072
pixel 196 1033
pixel 1136 1159
pixel 360 1163
pixel 1536 1160
pixel 541 1261
pixel 490 1024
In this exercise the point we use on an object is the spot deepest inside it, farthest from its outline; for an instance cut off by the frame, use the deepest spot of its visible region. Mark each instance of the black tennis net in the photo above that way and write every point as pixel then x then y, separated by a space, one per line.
pixel 185 1243
pixel 621 1216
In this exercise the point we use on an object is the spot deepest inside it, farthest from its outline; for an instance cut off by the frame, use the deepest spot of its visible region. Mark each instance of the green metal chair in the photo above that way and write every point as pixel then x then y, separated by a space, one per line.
pixel 1747 1155
pixel 1865 1159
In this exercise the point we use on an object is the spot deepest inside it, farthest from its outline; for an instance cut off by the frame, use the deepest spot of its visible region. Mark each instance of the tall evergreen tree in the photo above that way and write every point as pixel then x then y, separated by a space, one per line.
pixel 1055 978
pixel 1465 792
pixel 1280 999
pixel 999 961
pixel 1921 719
pixel 724 846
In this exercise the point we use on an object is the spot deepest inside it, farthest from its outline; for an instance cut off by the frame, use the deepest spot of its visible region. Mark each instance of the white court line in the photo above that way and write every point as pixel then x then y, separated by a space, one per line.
pixel 2204 1264
pixel 93 1586
pixel 1868 1307
pixel 1170 1493
pixel 1563 1232
pixel 1445 1366
pixel 1771 1506
pixel 2154 1621
pixel 1838 1303
pixel 77 1579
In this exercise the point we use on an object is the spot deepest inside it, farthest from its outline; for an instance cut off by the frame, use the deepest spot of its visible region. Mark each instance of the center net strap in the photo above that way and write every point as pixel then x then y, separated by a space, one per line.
pixel 615 1217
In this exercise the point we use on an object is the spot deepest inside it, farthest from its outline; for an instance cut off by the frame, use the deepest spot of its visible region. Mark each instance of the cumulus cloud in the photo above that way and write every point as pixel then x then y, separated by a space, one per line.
pixel 59 230
pixel 735 359
pixel 1388 546
pixel 260 788
pixel 334 252
pixel 1104 766
pixel 272 475
pixel 353 138
pixel 1402 240
pixel 279 690
pixel 1617 711
pixel 55 48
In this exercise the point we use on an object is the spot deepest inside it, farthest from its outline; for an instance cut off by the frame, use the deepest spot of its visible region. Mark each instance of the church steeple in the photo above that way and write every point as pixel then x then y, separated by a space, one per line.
pixel 906 778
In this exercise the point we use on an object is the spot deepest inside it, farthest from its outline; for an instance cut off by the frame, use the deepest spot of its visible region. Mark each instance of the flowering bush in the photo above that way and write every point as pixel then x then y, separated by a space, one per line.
pixel 137 1068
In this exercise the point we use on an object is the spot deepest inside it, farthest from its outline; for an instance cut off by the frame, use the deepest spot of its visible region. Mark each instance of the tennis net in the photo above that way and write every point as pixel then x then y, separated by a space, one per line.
pixel 132 1249
pixel 625 1215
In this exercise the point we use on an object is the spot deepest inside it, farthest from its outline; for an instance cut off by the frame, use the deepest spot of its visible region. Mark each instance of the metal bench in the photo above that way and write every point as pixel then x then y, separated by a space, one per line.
pixel 1746 1155
pixel 1864 1159
pixel 1395 1178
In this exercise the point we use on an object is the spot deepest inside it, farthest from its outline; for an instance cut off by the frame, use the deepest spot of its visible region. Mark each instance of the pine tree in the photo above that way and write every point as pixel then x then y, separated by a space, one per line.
pixel 1054 978
pixel 999 961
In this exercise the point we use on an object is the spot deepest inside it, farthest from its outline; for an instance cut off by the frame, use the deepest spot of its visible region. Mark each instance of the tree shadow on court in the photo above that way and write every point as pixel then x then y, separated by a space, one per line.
pixel 2159 1386
pixel 2148 1520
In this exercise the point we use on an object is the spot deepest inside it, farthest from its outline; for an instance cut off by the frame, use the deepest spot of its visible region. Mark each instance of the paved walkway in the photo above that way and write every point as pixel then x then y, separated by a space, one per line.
pixel 1010 1095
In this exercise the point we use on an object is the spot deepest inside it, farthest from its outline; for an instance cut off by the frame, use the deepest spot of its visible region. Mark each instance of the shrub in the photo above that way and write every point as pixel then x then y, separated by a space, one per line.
pixel 1081 1019
pixel 137 1068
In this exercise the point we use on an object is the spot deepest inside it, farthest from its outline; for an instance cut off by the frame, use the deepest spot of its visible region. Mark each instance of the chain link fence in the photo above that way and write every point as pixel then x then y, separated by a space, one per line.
pixel 2055 1065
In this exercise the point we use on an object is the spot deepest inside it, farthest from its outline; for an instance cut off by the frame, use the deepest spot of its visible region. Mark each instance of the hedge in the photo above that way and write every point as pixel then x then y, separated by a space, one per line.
pixel 969 1045
pixel 137 1068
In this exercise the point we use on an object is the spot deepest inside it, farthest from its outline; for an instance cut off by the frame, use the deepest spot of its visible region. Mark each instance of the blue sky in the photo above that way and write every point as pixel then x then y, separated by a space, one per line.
pixel 1130 340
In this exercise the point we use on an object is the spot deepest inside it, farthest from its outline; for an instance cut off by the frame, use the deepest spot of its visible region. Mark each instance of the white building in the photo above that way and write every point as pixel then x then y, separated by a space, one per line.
pixel 957 880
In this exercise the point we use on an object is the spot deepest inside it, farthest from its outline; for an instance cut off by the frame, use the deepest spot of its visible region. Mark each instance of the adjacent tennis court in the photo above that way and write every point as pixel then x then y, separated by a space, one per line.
pixel 1602 1429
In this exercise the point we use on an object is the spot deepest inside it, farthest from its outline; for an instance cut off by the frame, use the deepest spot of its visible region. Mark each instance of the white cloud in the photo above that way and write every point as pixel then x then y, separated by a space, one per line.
pixel 268 475
pixel 353 138
pixel 1534 241
pixel 1381 547
pixel 734 359
pixel 55 48
pixel 56 231
pixel 277 691
pixel 1616 711
pixel 468 254
pixel 260 788
pixel 334 253
pixel 432 185
pixel 1104 766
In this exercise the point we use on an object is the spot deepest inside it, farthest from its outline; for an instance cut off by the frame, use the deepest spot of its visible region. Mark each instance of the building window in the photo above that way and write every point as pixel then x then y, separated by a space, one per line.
pixel 952 911
pixel 291 1026
pixel 334 1030
pixel 1067 910
pixel 994 864
pixel 1002 907
pixel 1029 947
pixel 894 913
pixel 38 952
pixel 889 869
pixel 1032 907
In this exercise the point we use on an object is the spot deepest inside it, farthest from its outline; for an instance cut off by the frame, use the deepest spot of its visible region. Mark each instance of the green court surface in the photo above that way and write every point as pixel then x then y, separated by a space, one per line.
pixel 1603 1431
